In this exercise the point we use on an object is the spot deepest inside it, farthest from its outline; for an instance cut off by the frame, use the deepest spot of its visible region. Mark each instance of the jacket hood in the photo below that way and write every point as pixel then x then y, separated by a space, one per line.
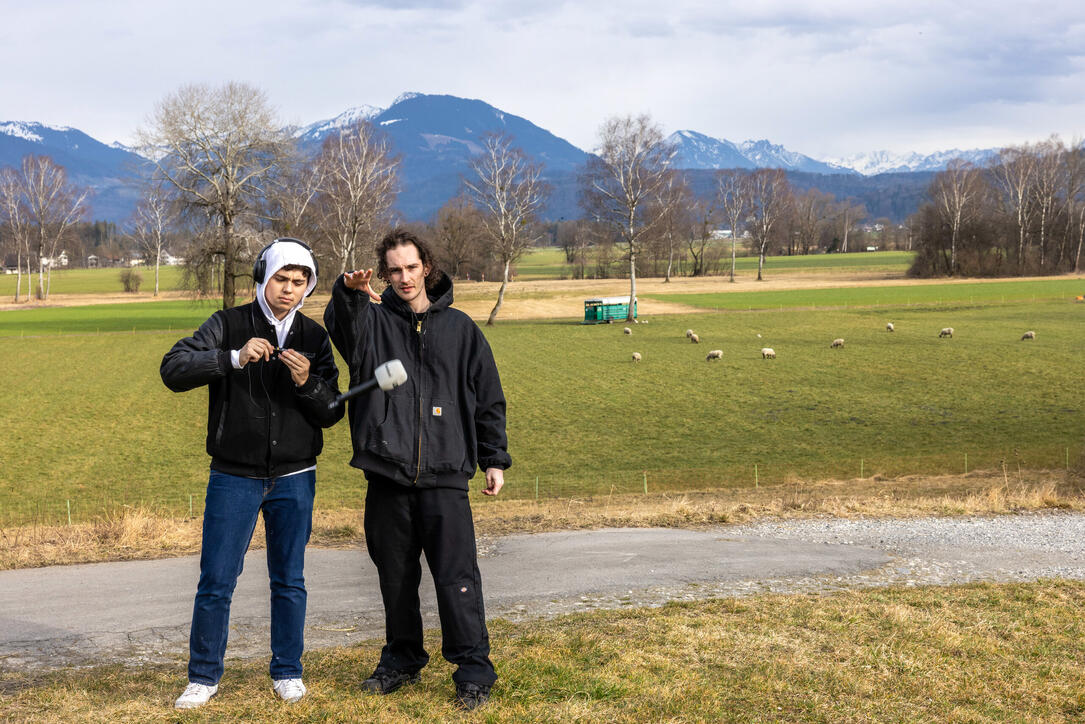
pixel 440 297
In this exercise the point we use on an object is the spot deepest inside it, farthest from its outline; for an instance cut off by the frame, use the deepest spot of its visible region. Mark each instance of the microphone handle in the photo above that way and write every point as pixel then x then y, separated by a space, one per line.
pixel 353 392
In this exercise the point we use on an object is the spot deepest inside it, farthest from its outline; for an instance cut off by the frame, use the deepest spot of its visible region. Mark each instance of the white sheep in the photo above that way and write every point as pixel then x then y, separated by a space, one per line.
pixel 714 354
pixel 838 342
pixel 689 333
pixel 1028 335
pixel 768 353
pixel 889 327
pixel 946 332
pixel 695 339
pixel 627 330
pixel 636 356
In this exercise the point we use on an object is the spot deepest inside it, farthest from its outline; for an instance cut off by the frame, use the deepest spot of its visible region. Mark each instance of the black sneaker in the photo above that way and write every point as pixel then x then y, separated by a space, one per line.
pixel 385 681
pixel 470 695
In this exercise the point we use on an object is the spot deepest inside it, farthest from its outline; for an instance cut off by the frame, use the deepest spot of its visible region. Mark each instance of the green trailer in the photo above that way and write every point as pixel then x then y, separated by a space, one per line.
pixel 605 310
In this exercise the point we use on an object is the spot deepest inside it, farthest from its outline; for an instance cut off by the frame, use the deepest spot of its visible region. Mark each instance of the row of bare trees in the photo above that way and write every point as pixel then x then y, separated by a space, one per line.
pixel 38 206
pixel 1022 214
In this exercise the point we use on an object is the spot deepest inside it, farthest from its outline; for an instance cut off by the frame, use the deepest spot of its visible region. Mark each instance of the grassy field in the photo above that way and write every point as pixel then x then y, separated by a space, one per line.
pixel 98 318
pixel 95 281
pixel 974 653
pixel 887 295
pixel 88 424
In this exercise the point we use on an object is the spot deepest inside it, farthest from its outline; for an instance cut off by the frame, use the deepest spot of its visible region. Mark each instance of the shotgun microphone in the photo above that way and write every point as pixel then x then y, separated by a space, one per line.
pixel 388 376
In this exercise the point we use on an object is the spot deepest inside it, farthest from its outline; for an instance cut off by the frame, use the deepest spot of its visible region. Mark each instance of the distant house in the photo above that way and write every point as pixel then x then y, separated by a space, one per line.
pixel 92 261
pixel 720 234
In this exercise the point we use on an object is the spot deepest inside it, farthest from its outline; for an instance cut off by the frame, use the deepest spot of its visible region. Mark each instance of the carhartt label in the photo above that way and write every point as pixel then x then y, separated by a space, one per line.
pixel 437 412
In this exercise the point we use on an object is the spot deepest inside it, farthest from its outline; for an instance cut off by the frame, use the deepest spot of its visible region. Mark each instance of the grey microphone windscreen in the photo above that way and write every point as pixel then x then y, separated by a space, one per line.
pixel 390 375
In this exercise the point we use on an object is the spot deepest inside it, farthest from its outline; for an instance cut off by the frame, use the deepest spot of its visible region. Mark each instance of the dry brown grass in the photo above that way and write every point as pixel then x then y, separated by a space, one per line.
pixel 142 534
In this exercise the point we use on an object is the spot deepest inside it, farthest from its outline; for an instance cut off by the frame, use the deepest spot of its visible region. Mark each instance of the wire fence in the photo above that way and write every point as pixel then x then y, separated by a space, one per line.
pixel 59 510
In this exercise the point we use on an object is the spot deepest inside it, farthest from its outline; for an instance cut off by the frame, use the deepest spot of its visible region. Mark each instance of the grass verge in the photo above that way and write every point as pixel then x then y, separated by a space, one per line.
pixel 140 533
pixel 975 653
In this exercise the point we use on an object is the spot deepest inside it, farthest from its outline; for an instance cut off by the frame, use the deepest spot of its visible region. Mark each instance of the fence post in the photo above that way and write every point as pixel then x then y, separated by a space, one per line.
pixel 755 483
pixel 536 487
pixel 69 502
pixel 645 482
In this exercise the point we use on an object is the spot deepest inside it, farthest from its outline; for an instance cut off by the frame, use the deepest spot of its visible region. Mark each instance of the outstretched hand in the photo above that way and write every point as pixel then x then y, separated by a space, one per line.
pixel 359 281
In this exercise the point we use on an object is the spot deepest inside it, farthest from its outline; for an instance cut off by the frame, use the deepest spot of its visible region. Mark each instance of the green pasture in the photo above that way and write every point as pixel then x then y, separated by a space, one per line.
pixel 549 262
pixel 892 295
pixel 88 425
pixel 98 318
pixel 95 281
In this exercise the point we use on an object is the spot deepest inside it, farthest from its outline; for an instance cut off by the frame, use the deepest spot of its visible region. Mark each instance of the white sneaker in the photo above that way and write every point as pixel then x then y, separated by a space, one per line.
pixel 195 695
pixel 289 690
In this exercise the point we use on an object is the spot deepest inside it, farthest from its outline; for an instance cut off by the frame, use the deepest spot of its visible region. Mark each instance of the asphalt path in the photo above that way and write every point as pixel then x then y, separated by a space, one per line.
pixel 138 611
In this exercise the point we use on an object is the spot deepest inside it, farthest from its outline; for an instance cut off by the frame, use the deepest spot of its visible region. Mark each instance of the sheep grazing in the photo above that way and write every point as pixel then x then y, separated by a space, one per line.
pixel 689 333
pixel 889 327
pixel 946 332
pixel 636 356
pixel 838 342
pixel 627 330
pixel 695 339
pixel 714 354
pixel 768 353
pixel 1028 335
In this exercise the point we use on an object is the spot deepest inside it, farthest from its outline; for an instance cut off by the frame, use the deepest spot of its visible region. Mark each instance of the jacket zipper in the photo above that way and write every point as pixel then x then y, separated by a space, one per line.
pixel 421 411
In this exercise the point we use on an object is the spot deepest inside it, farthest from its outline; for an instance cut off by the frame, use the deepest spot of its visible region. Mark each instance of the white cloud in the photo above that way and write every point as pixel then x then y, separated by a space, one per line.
pixel 830 78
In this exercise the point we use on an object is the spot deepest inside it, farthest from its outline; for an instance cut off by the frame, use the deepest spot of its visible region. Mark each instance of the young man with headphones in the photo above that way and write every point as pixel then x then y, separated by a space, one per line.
pixel 270 376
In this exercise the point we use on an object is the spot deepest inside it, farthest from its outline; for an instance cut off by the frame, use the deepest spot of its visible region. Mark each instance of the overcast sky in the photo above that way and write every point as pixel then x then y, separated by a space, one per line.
pixel 827 78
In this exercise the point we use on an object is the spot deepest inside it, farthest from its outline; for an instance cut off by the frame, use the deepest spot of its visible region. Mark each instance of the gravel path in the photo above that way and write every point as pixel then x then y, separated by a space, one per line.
pixel 138 611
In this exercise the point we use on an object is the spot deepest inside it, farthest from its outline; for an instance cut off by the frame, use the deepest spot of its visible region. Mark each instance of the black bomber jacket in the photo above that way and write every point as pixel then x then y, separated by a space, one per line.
pixel 259 423
pixel 448 418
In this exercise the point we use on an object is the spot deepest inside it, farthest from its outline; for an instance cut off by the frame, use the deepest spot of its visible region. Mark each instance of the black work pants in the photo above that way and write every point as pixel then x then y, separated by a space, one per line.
pixel 400 524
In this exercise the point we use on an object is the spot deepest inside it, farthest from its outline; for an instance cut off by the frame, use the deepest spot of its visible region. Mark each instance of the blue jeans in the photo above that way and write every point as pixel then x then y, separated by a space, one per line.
pixel 229 519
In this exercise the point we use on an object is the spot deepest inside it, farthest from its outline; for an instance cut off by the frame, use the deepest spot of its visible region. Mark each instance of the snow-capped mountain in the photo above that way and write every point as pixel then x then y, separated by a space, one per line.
pixel 876 162
pixel 320 129
pixel 696 150
pixel 107 170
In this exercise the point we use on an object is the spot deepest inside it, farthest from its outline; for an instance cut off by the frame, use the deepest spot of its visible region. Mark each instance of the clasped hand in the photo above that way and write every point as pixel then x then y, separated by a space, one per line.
pixel 259 348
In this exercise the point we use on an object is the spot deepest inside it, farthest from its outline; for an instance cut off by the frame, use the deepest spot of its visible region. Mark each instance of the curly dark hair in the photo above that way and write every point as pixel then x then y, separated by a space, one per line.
pixel 401 237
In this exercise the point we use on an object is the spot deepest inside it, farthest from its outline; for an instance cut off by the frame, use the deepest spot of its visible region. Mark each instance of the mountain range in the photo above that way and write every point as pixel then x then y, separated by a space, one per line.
pixel 436 135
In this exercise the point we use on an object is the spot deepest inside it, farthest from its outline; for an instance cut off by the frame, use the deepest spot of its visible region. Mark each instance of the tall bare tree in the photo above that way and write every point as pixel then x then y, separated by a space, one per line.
pixel 357 189
pixel 769 199
pixel 813 211
pixel 16 224
pixel 292 188
pixel 509 190
pixel 215 146
pixel 1014 172
pixel 848 214
pixel 53 204
pixel 1050 155
pixel 620 182
pixel 956 194
pixel 732 188
pixel 152 221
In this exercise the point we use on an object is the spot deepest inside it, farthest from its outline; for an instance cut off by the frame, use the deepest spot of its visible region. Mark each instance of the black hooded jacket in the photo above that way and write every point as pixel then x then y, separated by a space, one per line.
pixel 259 423
pixel 448 418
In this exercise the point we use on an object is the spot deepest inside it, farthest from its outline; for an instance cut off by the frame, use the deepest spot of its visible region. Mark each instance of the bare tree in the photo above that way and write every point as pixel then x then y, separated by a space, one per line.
pixel 813 211
pixel 1014 172
pixel 53 205
pixel 732 188
pixel 679 210
pixel 152 220
pixel 509 190
pixel 457 233
pixel 956 194
pixel 215 147
pixel 1048 180
pixel 628 172
pixel 15 219
pixel 848 214
pixel 769 198
pixel 357 189
pixel 292 188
